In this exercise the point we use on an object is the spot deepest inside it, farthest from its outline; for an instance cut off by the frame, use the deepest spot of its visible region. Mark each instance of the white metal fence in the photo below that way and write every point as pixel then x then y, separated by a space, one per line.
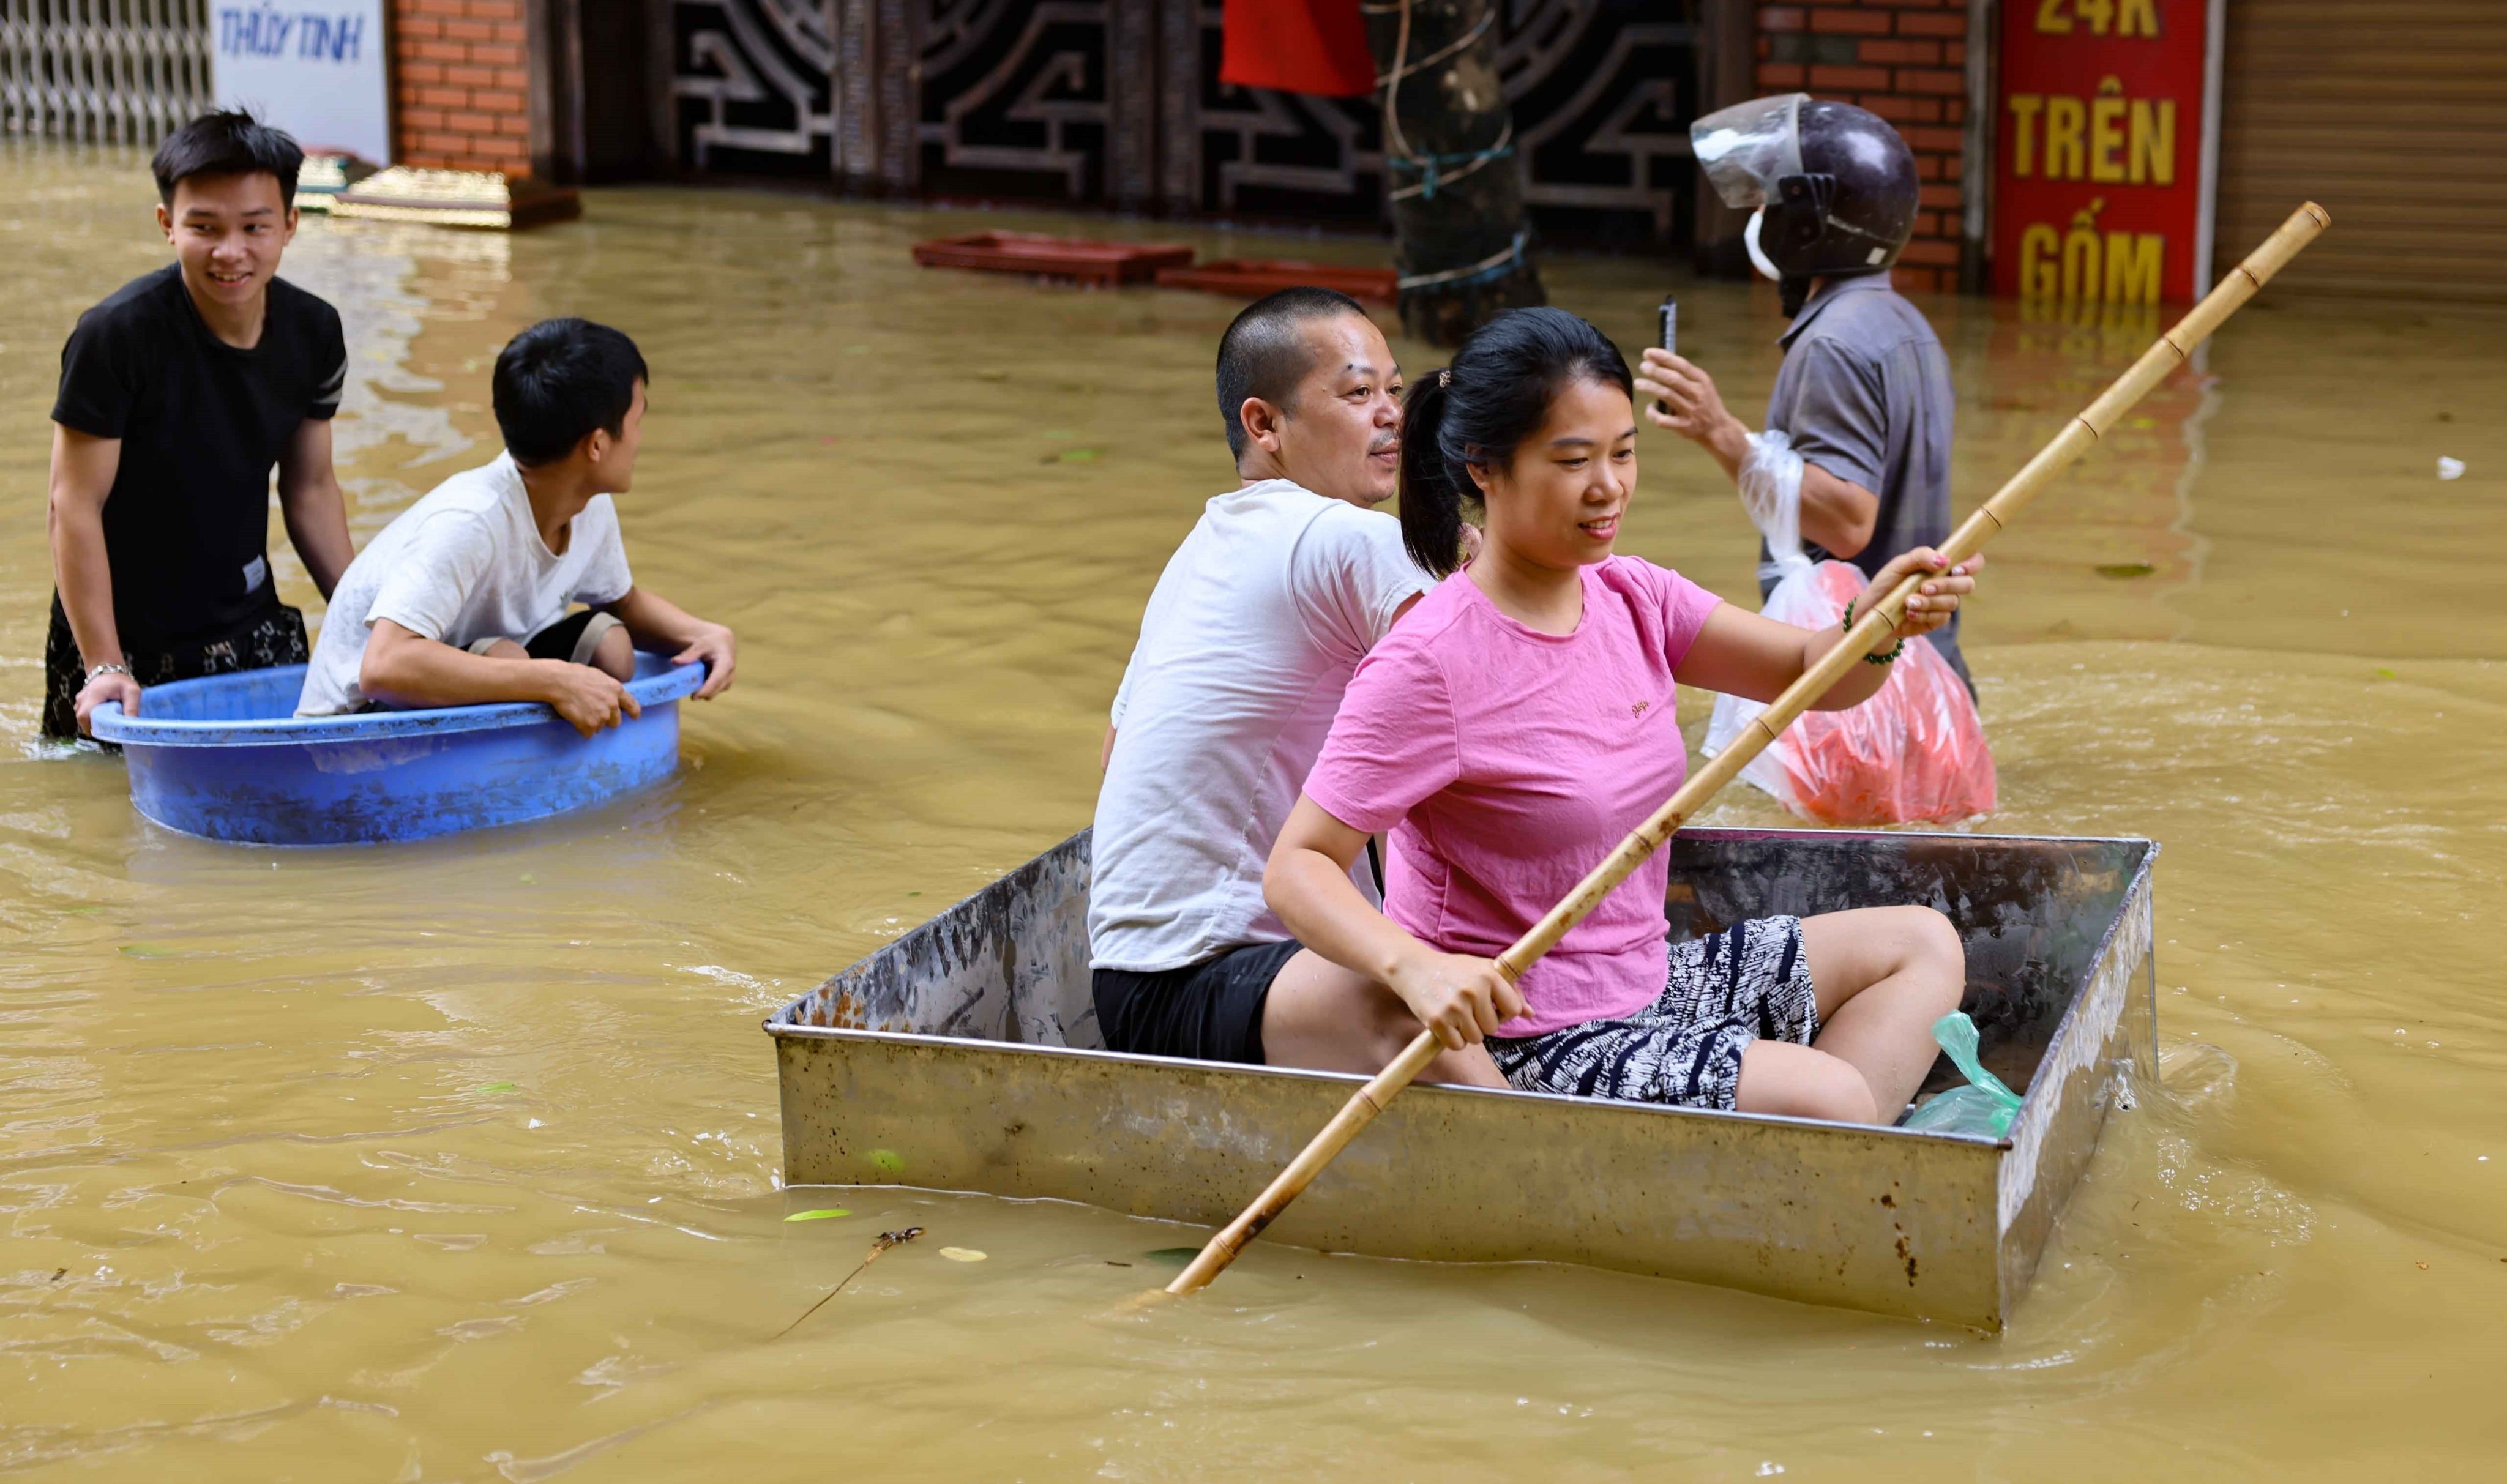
pixel 110 71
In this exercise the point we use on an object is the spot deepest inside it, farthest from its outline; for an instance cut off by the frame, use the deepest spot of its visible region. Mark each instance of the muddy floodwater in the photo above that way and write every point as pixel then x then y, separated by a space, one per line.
pixel 460 1160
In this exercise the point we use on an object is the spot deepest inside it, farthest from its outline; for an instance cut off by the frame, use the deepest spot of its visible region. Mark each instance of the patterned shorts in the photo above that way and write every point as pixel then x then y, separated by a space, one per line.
pixel 1750 982
pixel 275 637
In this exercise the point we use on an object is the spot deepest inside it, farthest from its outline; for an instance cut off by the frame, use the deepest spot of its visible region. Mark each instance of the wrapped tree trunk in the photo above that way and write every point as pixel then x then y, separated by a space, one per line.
pixel 1461 238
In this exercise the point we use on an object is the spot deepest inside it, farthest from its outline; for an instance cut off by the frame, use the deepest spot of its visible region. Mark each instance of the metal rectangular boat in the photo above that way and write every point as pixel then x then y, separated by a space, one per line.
pixel 966 1056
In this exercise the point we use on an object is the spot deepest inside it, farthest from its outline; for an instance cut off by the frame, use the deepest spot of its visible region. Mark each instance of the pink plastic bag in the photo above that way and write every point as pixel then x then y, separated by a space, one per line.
pixel 1915 752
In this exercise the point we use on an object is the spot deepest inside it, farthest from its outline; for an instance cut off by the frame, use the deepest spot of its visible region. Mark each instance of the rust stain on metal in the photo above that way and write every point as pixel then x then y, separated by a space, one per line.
pixel 844 1010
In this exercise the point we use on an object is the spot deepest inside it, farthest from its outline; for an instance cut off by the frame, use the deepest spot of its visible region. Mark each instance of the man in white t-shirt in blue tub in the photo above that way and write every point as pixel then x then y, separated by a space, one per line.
pixel 464 598
pixel 1251 637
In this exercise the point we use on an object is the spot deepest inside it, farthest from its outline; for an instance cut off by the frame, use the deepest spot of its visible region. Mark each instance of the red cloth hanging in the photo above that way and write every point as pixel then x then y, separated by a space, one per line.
pixel 1315 47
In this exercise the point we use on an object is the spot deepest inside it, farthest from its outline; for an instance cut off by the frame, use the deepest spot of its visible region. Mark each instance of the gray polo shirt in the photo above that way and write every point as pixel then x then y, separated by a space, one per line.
pixel 1864 392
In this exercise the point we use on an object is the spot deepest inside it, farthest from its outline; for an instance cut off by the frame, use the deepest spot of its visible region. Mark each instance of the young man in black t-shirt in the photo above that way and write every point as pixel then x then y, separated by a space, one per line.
pixel 178 395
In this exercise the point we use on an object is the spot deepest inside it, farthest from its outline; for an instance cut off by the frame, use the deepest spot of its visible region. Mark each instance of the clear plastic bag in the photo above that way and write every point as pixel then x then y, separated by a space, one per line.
pixel 1771 492
pixel 1986 1106
pixel 1915 752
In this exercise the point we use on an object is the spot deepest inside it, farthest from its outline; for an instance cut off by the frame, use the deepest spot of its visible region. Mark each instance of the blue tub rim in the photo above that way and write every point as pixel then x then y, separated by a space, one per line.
pixel 672 682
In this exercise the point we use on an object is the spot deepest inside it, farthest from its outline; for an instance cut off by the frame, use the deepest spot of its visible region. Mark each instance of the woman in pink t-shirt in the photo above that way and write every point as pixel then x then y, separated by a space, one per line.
pixel 1522 720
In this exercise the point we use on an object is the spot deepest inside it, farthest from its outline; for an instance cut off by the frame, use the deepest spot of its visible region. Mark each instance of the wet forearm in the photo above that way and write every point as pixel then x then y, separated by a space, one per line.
pixel 1859 683
pixel 1836 513
pixel 310 501
pixel 657 622
pixel 81 480
pixel 406 672
pixel 1313 898
pixel 316 516
pixel 83 574
pixel 1729 441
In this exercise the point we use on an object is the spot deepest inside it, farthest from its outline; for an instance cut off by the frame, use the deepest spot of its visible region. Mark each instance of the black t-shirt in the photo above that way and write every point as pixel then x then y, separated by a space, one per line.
pixel 202 424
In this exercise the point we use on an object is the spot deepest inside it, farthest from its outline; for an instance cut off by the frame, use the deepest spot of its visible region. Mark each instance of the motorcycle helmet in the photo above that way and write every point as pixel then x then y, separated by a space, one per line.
pixel 1830 187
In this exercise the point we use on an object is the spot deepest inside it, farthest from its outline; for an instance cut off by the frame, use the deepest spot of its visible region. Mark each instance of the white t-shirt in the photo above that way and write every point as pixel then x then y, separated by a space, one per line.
pixel 463 564
pixel 1250 638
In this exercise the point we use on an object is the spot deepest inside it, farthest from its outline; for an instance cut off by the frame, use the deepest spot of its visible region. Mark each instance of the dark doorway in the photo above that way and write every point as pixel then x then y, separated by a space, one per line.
pixel 617 140
pixel 600 65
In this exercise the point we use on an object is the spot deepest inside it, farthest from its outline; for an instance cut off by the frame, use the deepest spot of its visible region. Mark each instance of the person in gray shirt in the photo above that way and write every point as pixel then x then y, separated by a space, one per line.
pixel 1865 390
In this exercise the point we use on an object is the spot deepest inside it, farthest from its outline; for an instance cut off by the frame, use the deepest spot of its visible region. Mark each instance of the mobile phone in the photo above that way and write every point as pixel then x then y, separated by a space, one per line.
pixel 1670 314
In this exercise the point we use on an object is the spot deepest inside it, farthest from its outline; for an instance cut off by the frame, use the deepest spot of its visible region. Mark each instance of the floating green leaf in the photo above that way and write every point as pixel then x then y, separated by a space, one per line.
pixel 2387 675
pixel 148 951
pixel 528 879
pixel 887 1162
pixel 963 1255
pixel 495 1087
pixel 1173 1257
pixel 1079 455
pixel 2123 569
pixel 828 1215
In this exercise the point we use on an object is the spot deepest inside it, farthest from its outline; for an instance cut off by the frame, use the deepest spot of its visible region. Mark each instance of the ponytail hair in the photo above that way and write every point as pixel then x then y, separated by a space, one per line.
pixel 1475 412
pixel 1432 496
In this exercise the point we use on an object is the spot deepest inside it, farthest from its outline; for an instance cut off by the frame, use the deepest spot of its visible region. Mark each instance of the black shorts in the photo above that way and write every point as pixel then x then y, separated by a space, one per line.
pixel 573 638
pixel 1207 1012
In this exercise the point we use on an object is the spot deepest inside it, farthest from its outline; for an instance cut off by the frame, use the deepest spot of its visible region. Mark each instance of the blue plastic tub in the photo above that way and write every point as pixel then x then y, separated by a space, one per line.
pixel 226 758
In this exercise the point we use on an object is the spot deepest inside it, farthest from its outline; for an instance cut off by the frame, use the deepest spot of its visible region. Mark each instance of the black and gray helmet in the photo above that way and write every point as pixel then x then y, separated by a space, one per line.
pixel 1832 187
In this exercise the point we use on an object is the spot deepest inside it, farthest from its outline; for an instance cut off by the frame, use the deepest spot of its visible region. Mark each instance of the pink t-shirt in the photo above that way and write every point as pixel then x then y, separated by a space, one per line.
pixel 1508 762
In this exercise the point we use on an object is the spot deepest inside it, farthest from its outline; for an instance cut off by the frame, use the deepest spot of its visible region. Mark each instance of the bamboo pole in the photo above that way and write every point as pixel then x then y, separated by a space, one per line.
pixel 2165 355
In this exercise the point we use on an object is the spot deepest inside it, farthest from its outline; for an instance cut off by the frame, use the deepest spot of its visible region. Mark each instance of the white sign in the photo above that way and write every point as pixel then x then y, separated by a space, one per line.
pixel 312 68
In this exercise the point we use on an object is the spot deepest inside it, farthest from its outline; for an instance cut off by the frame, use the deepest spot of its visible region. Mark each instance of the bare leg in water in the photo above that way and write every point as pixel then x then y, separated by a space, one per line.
pixel 1882 976
pixel 1328 1017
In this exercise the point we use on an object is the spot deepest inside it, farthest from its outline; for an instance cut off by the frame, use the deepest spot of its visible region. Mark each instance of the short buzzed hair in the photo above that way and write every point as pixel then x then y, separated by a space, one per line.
pixel 227 142
pixel 557 381
pixel 1263 353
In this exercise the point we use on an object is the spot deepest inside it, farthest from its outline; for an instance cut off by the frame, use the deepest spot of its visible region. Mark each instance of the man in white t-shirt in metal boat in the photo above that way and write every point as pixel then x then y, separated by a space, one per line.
pixel 1249 639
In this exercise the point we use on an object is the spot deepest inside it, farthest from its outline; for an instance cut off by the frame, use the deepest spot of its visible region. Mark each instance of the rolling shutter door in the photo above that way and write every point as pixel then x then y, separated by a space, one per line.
pixel 2393 114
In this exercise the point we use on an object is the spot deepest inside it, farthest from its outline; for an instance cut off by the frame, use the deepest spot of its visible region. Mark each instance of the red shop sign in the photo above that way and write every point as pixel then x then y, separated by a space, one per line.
pixel 2106 149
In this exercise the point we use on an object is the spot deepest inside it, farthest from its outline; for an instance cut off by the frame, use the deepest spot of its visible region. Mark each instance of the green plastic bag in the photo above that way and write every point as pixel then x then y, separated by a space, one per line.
pixel 1986 1108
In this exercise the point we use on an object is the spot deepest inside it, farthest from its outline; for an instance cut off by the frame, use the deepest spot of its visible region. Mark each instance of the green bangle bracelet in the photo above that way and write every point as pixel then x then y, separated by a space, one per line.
pixel 1847 623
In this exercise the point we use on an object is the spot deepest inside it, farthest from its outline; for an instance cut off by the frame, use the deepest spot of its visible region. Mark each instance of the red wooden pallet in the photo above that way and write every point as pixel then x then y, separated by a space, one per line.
pixel 1254 277
pixel 1028 252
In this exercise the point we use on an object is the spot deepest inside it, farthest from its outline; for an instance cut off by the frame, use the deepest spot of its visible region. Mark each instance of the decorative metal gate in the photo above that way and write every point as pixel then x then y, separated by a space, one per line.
pixel 1117 103
pixel 111 71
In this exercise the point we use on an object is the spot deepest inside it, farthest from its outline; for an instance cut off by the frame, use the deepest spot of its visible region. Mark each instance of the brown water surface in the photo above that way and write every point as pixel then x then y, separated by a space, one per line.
pixel 458 1160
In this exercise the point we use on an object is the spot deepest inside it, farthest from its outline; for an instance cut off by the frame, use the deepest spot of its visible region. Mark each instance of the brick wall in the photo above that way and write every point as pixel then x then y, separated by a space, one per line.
pixel 1905 61
pixel 461 96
